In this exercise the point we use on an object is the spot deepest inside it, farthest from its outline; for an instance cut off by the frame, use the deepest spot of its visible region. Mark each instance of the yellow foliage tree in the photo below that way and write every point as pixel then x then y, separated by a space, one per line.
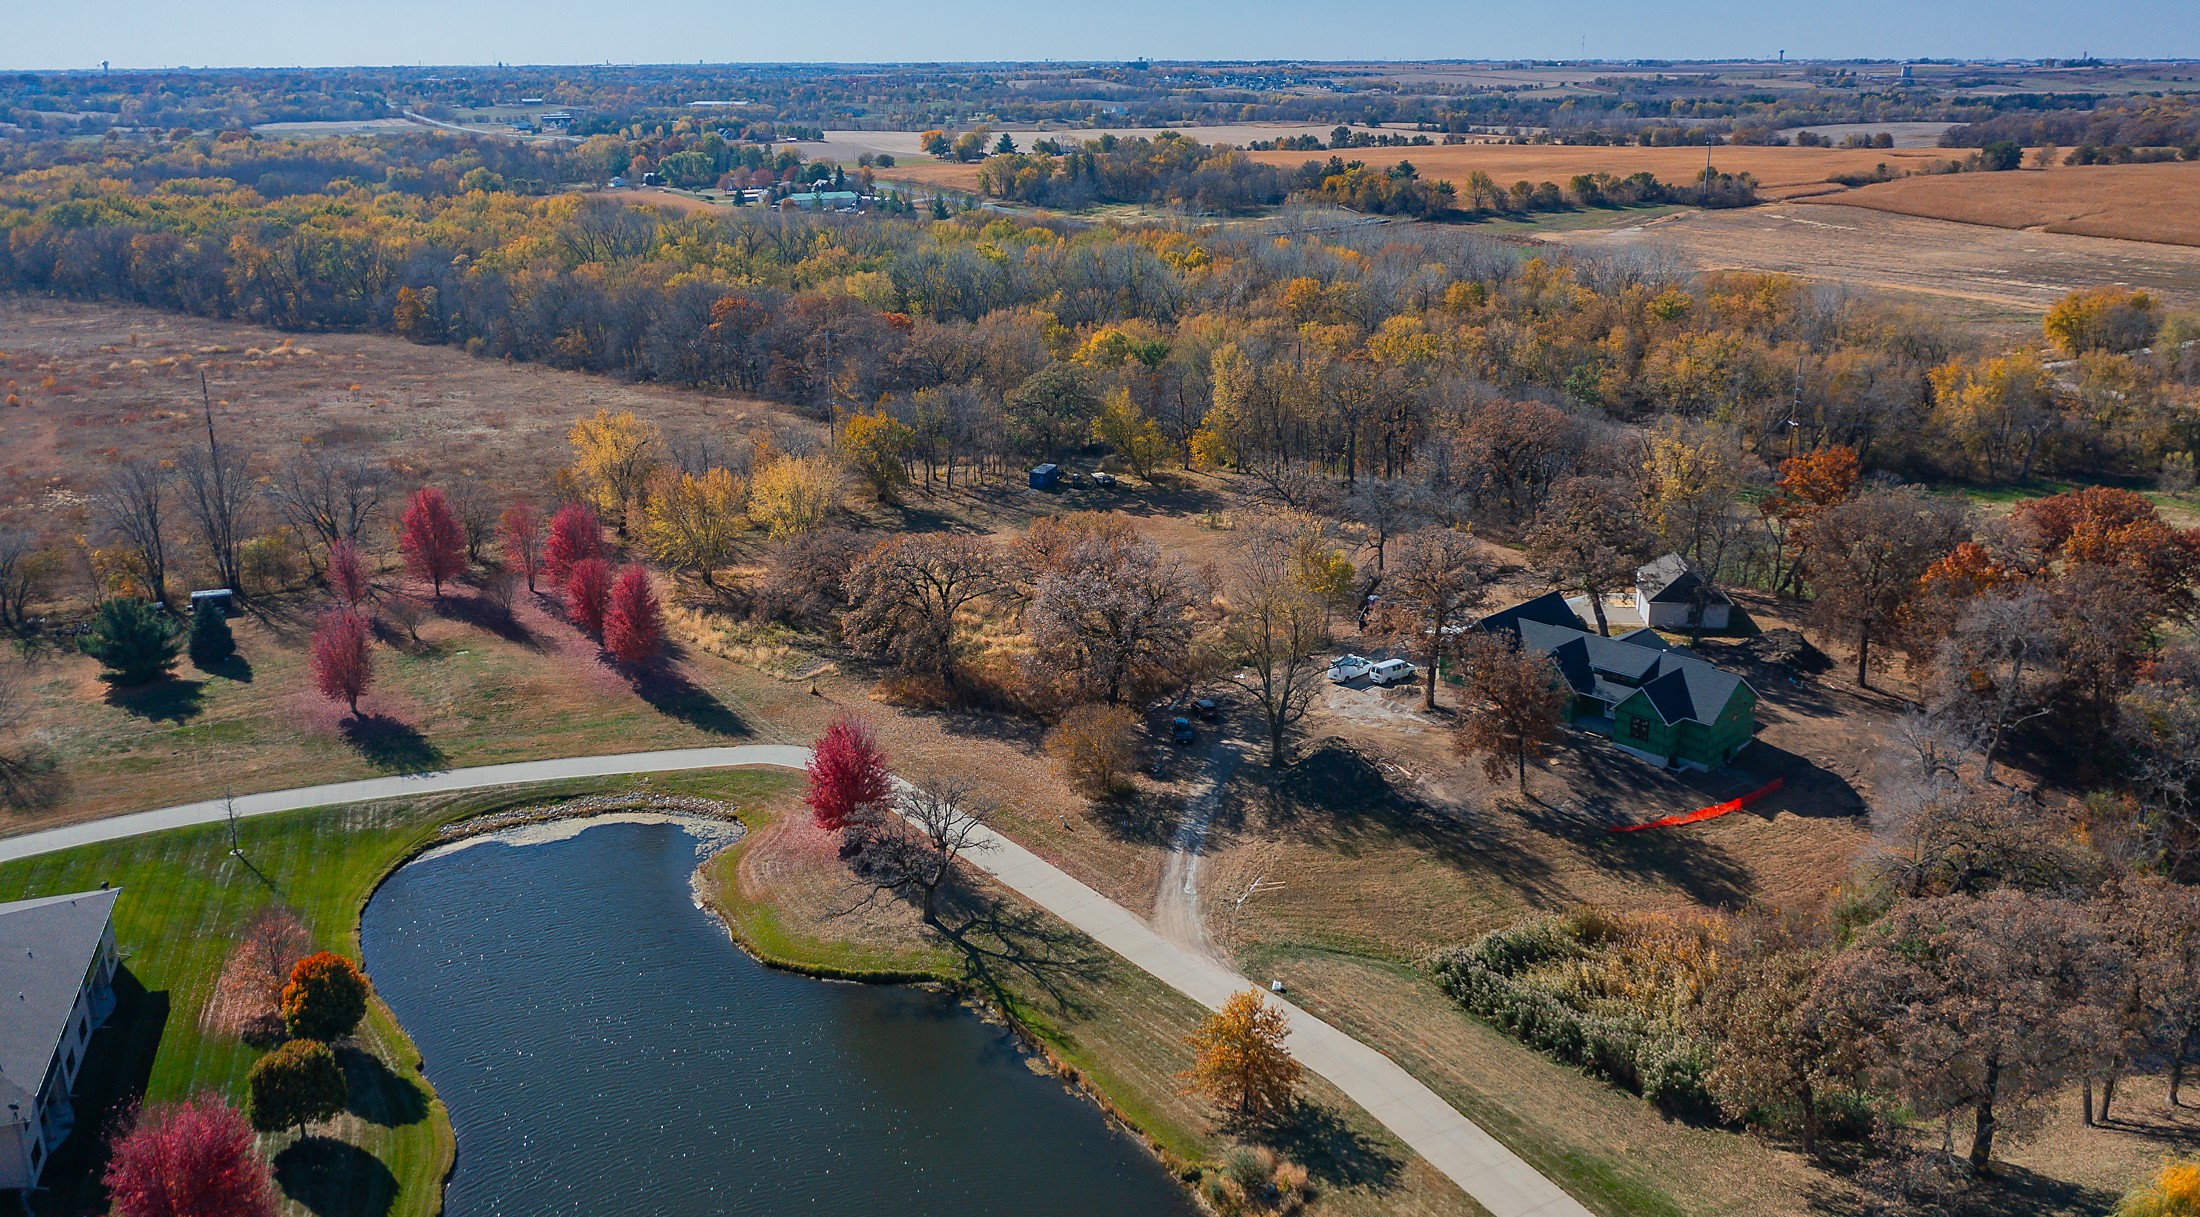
pixel 1137 438
pixel 877 447
pixel 695 523
pixel 2174 1192
pixel 794 494
pixel 1240 1062
pixel 2102 319
pixel 614 457
pixel 1998 410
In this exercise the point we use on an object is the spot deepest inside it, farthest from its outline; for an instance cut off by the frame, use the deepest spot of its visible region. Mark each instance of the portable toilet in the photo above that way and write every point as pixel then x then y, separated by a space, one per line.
pixel 1044 477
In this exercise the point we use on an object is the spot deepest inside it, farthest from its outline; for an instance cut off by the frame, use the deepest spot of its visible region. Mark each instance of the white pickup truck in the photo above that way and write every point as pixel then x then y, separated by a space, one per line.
pixel 1349 667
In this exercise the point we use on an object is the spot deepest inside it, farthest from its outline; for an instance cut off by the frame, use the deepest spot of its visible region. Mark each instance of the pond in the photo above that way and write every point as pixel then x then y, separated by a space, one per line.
pixel 603 1047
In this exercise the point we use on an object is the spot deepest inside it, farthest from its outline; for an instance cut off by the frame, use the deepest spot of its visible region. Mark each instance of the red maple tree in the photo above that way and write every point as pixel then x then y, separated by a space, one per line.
pixel 847 773
pixel 343 667
pixel 433 543
pixel 347 574
pixel 575 536
pixel 588 595
pixel 520 528
pixel 633 625
pixel 190 1159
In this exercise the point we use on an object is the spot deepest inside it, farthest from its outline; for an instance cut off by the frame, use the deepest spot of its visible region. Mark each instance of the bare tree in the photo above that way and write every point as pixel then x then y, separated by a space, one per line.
pixel 1383 509
pixel 132 503
pixel 1864 556
pixel 25 571
pixel 1996 670
pixel 906 594
pixel 913 853
pixel 1431 595
pixel 218 498
pixel 1514 706
pixel 329 496
pixel 1113 606
pixel 1275 625
pixel 475 504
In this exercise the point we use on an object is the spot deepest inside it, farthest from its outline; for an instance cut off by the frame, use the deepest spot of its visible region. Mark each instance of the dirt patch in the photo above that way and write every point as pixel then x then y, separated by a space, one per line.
pixel 2157 203
pixel 2001 269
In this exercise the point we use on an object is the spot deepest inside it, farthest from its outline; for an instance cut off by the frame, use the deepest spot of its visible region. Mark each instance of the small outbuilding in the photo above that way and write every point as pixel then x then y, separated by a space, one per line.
pixel 1045 477
pixel 1673 594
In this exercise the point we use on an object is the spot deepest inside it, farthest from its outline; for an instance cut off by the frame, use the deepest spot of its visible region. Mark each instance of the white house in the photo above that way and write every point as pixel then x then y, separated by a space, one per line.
pixel 1671 591
pixel 57 972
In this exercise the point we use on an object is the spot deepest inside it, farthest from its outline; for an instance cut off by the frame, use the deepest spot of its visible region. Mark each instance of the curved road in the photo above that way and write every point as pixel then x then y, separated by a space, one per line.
pixel 1453 1144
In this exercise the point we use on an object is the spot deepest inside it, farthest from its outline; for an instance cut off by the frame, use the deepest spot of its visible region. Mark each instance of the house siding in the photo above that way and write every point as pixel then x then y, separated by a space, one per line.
pixel 1687 742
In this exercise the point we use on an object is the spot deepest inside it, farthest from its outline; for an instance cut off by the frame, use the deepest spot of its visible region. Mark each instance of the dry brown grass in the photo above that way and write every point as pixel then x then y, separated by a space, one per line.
pixel 1780 172
pixel 2158 203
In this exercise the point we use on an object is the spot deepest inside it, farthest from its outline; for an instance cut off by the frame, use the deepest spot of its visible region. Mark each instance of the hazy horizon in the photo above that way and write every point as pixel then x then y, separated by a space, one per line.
pixel 139 34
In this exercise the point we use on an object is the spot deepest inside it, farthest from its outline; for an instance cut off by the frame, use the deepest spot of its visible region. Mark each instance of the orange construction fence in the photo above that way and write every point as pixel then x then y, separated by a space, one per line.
pixel 1703 813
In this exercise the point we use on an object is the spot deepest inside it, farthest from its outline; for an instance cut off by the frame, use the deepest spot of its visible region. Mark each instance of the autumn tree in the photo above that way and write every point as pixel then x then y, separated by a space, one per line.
pixel 1092 743
pixel 576 535
pixel 431 539
pixel 1590 538
pixel 588 595
pixel 907 598
pixel 297 1084
pixel 1121 425
pixel 1512 708
pixel 1275 624
pixel 877 447
pixel 633 622
pixel 1383 509
pixel 2174 1191
pixel 1239 1061
pixel 695 523
pixel 1808 483
pixel 519 528
pixel 132 639
pixel 342 663
pixel 2111 319
pixel 1973 1004
pixel 2157 924
pixel 1770 1062
pixel 614 454
pixel 1864 556
pixel 326 997
pixel 196 1158
pixel 1430 596
pixel 1112 607
pixel 847 773
pixel 347 574
pixel 793 495
pixel 1053 408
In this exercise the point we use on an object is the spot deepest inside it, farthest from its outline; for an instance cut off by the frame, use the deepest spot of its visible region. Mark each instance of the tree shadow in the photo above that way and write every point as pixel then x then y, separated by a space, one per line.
pixel 236 668
pixel 168 700
pixel 31 777
pixel 375 1093
pixel 330 1178
pixel 1335 1154
pixel 118 1064
pixel 1702 869
pixel 488 616
pixel 1338 799
pixel 672 693
pixel 389 744
pixel 997 937
pixel 1141 817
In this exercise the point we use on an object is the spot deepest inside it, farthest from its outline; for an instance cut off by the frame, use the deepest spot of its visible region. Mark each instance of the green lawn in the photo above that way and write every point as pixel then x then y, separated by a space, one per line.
pixel 183 899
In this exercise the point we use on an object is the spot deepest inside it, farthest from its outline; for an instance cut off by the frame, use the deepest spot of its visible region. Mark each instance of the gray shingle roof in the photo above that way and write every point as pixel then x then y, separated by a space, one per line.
pixel 46 946
pixel 1681 687
pixel 1550 608
pixel 1672 579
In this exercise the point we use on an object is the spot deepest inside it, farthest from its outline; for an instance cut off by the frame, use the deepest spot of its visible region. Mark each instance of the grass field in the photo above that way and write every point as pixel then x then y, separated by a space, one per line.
pixel 2158 203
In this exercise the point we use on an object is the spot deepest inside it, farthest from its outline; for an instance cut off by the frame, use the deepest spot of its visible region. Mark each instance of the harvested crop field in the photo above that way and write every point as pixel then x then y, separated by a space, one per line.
pixel 2001 269
pixel 1781 172
pixel 2130 202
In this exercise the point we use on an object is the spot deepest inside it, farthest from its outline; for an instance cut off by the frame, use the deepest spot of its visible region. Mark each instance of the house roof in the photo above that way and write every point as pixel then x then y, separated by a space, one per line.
pixel 46 946
pixel 1673 579
pixel 1548 609
pixel 1680 686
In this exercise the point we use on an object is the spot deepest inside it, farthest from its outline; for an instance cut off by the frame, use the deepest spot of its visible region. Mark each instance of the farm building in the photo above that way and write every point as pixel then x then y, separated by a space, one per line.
pixel 1658 702
pixel 1672 594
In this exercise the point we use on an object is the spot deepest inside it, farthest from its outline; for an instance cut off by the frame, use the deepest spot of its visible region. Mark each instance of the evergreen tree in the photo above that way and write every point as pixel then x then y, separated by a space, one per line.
pixel 133 640
pixel 211 642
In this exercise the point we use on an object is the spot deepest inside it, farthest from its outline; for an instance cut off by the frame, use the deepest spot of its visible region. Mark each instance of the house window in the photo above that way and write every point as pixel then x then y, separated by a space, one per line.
pixel 1638 728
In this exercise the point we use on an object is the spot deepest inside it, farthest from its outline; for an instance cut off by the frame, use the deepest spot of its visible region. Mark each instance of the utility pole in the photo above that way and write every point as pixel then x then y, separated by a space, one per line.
pixel 1795 407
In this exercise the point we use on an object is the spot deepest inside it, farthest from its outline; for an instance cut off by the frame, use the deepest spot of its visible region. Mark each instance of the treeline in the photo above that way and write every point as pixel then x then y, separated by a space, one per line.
pixel 1401 190
pixel 1169 169
pixel 2134 122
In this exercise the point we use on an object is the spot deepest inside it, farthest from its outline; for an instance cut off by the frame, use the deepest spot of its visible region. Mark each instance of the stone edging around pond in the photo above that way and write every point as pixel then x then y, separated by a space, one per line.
pixel 583 807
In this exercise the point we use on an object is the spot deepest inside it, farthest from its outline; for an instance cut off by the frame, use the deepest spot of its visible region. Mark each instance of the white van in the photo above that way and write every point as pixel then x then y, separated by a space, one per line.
pixel 1391 672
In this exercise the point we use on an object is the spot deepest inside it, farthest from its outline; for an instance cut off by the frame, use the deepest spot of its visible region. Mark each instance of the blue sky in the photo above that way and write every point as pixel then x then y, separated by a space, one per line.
pixel 164 33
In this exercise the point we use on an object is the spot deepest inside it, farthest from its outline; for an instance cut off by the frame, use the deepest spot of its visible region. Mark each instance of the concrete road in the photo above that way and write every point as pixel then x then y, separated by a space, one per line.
pixel 1453 1144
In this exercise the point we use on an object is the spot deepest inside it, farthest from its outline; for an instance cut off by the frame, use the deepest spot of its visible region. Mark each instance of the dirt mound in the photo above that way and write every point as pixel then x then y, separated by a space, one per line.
pixel 1782 647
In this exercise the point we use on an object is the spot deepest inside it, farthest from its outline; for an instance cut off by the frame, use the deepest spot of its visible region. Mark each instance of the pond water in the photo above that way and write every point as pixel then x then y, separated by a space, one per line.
pixel 603 1047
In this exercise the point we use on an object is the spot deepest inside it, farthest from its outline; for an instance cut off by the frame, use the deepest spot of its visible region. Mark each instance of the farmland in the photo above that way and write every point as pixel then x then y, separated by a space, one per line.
pixel 2158 203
